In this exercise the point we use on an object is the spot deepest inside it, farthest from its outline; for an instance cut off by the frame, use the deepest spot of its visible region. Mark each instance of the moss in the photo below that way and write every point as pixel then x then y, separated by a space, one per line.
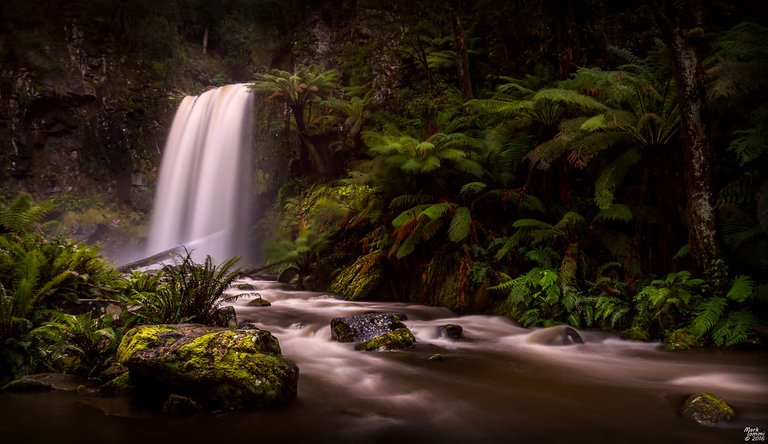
pixel 436 357
pixel 119 385
pixel 398 339
pixel 635 333
pixel 360 279
pixel 138 339
pixel 706 409
pixel 679 340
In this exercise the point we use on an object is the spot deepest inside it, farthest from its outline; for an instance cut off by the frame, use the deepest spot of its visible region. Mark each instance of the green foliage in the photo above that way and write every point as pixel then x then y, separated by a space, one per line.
pixel 184 292
pixel 78 344
pixel 722 315
pixel 23 213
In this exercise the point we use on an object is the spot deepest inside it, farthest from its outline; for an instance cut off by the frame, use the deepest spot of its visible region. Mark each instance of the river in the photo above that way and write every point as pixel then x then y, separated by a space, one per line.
pixel 492 386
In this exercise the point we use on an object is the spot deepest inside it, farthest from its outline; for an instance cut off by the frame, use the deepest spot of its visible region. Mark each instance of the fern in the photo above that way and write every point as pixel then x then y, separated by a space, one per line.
pixel 23 213
pixel 708 314
pixel 741 288
pixel 570 98
pixel 611 176
pixel 460 224
pixel 734 330
pixel 615 212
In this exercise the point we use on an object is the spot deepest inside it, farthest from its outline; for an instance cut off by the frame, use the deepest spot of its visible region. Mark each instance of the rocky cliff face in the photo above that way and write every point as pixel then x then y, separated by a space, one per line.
pixel 73 129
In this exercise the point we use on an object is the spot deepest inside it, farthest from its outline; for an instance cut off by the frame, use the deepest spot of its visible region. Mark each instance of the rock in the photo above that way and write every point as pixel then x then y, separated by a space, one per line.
pixel 259 302
pixel 119 385
pixel 436 357
pixel 362 328
pixel 245 286
pixel 48 382
pixel 558 335
pixel 112 372
pixel 229 368
pixel 679 340
pixel 180 405
pixel 398 339
pixel 450 331
pixel 226 317
pixel 706 409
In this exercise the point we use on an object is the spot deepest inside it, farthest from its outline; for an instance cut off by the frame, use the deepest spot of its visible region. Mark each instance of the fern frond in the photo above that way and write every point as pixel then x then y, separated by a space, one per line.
pixel 460 224
pixel 612 175
pixel 708 313
pixel 570 98
pixel 734 330
pixel 615 212
pixel 741 288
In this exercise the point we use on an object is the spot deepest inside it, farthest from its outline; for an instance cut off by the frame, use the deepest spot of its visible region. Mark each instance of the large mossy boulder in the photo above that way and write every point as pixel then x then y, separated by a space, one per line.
pixel 230 368
pixel 706 409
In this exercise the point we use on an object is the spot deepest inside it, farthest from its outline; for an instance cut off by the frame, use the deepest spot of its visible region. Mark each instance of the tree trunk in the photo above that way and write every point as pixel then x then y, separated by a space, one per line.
pixel 318 160
pixel 681 25
pixel 205 40
pixel 462 56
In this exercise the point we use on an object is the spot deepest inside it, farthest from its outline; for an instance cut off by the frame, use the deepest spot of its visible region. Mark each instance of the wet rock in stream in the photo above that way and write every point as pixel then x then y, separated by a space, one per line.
pixel 373 331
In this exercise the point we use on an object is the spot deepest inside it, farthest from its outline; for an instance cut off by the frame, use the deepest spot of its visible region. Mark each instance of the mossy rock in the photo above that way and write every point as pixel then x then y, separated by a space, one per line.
pixel 679 340
pixel 41 382
pixel 229 368
pixel 361 328
pixel 706 409
pixel 119 385
pixel 635 334
pixel 245 286
pixel 398 339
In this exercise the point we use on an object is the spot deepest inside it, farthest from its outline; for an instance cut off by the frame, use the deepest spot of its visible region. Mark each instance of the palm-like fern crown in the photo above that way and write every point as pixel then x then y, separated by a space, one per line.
pixel 298 87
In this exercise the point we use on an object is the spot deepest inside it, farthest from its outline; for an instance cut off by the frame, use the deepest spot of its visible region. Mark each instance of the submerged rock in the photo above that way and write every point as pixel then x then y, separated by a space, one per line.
pixel 180 405
pixel 706 409
pixel 398 339
pixel 558 335
pixel 361 328
pixel 258 301
pixel 42 382
pixel 230 368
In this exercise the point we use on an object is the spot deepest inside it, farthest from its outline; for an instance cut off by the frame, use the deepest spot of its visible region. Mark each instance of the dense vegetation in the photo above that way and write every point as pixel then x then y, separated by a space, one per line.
pixel 576 162
pixel 64 308
pixel 586 192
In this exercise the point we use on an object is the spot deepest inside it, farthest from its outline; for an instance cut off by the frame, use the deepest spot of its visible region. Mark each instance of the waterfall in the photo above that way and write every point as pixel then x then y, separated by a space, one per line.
pixel 203 195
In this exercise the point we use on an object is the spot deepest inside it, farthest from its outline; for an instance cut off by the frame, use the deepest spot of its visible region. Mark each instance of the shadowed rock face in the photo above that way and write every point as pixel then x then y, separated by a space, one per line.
pixel 231 368
pixel 362 328
pixel 558 335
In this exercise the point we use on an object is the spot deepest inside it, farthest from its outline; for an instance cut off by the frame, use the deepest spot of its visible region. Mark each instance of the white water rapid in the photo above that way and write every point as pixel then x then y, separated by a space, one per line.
pixel 206 168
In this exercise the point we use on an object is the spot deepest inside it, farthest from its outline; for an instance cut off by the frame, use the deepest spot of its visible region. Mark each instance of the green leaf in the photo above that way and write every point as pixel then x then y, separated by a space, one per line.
pixel 707 315
pixel 615 212
pixel 741 288
pixel 460 224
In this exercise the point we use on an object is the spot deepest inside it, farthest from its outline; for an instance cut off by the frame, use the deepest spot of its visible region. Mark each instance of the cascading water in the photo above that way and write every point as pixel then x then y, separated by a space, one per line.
pixel 206 169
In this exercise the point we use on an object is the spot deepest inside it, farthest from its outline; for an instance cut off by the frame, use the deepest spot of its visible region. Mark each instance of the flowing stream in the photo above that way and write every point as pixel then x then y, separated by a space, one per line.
pixel 493 386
